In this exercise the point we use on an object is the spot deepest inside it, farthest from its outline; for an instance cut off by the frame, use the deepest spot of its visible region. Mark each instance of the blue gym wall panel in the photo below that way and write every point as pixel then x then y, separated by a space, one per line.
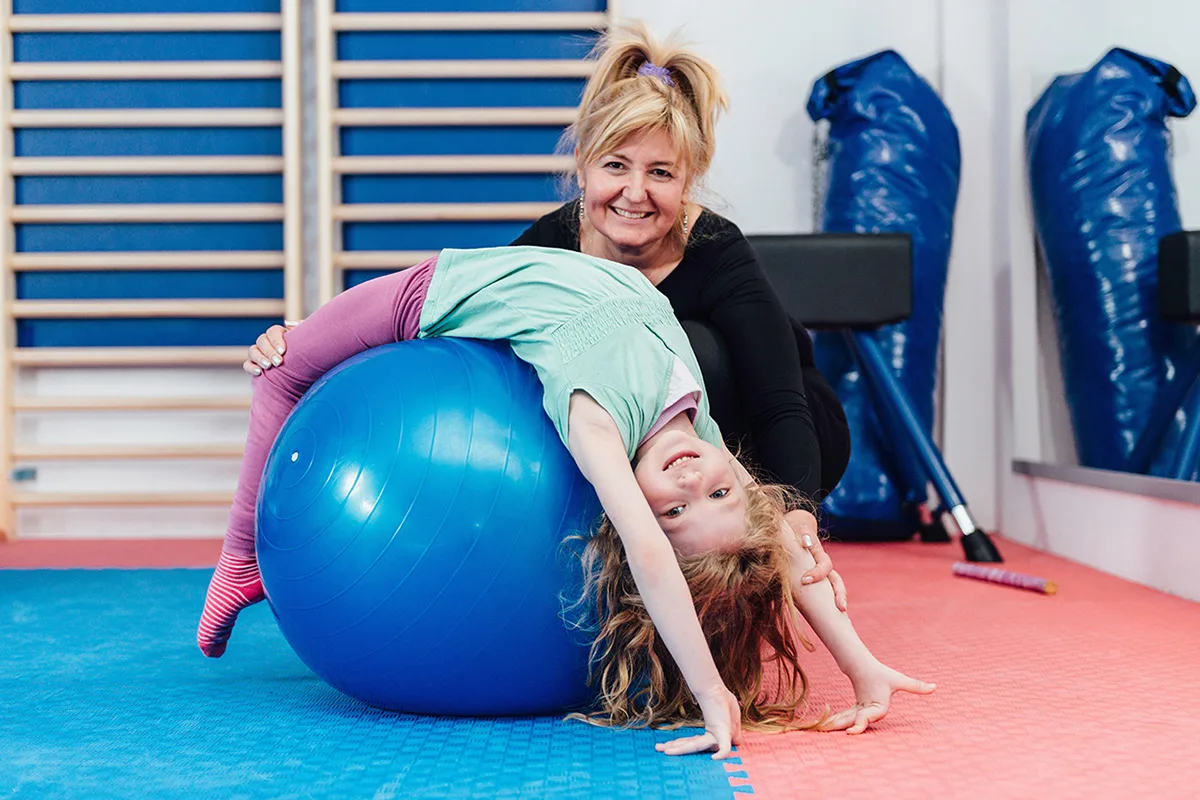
pixel 459 140
pixel 469 5
pixel 51 190
pixel 440 139
pixel 460 92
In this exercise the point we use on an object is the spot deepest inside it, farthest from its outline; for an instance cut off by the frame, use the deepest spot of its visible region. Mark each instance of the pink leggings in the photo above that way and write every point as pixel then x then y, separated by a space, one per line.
pixel 375 313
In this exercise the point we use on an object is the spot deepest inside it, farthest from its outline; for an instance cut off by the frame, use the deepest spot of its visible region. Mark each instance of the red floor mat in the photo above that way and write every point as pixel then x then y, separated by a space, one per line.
pixel 1090 693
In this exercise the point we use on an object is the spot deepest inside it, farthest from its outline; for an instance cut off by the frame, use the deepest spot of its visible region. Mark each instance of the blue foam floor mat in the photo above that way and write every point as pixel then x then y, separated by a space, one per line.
pixel 103 694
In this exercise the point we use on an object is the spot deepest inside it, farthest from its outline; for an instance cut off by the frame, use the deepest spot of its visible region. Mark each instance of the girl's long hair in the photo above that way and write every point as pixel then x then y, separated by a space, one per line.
pixel 744 603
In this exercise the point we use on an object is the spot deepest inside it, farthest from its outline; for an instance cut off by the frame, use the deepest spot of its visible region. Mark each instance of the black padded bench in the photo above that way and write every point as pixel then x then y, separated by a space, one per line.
pixel 857 283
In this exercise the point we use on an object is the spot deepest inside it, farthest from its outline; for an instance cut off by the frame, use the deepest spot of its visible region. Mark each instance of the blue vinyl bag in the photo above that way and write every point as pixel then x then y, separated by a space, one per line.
pixel 893 167
pixel 1098 155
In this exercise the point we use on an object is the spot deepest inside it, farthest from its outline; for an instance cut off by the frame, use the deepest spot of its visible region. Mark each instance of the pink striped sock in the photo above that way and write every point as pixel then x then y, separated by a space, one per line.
pixel 235 585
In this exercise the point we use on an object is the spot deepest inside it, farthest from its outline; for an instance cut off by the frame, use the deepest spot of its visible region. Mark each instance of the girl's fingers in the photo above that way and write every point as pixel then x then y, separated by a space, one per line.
pixel 839 590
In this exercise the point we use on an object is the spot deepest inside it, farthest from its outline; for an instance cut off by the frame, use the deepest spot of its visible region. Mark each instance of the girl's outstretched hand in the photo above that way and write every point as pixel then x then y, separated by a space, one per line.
pixel 873 690
pixel 722 728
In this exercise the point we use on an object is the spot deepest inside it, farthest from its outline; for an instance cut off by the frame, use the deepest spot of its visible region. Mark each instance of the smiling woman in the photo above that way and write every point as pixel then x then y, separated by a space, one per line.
pixel 642 144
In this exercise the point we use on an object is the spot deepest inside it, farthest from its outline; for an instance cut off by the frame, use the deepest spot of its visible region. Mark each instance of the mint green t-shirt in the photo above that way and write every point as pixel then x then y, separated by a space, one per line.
pixel 583 323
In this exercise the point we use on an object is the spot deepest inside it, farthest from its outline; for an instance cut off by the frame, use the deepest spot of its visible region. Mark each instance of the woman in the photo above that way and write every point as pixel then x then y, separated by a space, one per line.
pixel 642 142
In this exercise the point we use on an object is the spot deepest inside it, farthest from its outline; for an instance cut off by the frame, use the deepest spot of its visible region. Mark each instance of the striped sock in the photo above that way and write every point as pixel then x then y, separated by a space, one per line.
pixel 235 585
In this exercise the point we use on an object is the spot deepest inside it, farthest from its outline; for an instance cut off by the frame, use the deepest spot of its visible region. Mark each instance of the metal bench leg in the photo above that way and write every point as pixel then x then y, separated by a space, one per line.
pixel 977 546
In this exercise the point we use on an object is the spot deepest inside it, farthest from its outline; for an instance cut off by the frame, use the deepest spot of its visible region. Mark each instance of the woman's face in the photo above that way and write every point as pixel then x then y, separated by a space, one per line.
pixel 634 195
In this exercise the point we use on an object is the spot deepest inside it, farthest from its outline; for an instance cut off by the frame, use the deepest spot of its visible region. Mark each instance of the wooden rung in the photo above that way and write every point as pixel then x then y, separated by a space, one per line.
pixel 40 404
pixel 141 165
pixel 104 499
pixel 128 356
pixel 124 452
pixel 362 165
pixel 457 21
pixel 191 259
pixel 142 70
pixel 479 68
pixel 381 259
pixel 120 23
pixel 157 212
pixel 144 309
pixel 431 212
pixel 149 118
pixel 379 117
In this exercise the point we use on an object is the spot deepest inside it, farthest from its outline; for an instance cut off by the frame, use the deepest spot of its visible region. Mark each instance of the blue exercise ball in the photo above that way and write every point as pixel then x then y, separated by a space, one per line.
pixel 410 527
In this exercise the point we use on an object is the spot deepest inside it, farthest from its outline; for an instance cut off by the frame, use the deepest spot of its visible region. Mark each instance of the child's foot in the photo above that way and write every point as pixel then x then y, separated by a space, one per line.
pixel 235 585
pixel 873 690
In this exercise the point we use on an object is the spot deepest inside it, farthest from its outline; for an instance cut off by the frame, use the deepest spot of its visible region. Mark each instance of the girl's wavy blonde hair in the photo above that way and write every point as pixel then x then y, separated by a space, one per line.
pixel 744 603
pixel 619 102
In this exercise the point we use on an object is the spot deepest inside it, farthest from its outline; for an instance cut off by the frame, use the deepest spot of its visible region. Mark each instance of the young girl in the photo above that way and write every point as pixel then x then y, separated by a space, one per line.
pixel 695 559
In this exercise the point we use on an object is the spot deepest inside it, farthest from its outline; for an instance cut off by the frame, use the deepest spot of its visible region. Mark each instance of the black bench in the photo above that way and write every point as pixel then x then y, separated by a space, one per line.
pixel 856 283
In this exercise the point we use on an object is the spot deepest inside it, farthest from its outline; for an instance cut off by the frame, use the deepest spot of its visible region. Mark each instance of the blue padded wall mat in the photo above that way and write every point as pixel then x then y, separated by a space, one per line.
pixel 470 5
pixel 106 696
pixel 464 45
pixel 470 188
pixel 436 140
pixel 101 189
pixel 177 46
pixel 236 93
pixel 143 6
pixel 459 92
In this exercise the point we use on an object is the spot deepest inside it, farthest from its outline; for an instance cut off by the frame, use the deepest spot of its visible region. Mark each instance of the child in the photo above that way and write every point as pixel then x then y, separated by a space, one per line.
pixel 620 388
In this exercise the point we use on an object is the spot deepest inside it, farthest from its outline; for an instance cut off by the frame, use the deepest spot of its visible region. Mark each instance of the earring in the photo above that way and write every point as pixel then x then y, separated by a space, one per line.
pixel 581 211
pixel 685 222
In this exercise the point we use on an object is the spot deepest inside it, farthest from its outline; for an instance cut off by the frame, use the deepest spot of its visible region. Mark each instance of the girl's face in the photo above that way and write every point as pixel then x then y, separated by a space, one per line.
pixel 634 195
pixel 693 491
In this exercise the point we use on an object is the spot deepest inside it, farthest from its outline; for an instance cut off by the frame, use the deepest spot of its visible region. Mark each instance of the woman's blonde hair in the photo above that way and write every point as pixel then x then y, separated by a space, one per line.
pixel 743 600
pixel 683 99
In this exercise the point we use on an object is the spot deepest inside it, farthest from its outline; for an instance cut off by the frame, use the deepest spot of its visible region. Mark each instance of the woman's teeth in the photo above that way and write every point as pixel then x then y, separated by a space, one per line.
pixel 630 214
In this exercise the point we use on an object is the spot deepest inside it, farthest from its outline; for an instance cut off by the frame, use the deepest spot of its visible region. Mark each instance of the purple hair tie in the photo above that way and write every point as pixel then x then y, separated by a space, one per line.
pixel 655 71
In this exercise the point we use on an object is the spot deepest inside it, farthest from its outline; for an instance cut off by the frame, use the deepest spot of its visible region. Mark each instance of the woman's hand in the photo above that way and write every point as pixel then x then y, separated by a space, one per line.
pixel 267 351
pixel 722 728
pixel 804 524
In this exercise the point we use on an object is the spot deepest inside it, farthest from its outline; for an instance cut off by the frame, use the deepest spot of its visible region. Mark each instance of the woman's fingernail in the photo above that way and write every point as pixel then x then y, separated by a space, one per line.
pixel 280 349
pixel 806 579
pixel 257 371
pixel 277 361
pixel 265 363
pixel 807 540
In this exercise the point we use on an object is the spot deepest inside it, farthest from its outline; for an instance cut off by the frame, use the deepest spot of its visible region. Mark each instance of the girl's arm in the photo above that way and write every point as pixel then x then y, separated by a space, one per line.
pixel 805 526
pixel 598 449
pixel 874 682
